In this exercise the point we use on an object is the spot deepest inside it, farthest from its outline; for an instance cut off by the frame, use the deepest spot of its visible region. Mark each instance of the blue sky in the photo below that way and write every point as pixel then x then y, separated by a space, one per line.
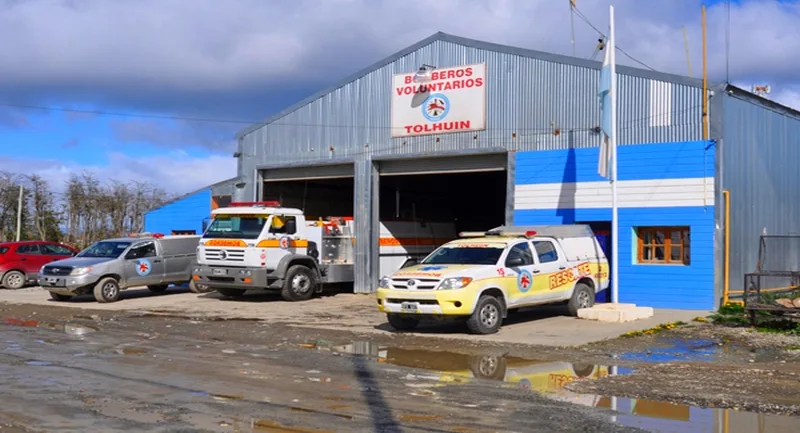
pixel 241 60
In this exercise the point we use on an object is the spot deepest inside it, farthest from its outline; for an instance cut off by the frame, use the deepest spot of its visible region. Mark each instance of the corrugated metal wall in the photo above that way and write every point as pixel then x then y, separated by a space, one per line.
pixel 529 97
pixel 759 153
pixel 532 104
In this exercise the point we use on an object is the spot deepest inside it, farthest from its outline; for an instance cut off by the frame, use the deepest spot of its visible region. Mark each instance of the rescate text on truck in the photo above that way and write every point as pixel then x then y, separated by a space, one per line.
pixel 482 276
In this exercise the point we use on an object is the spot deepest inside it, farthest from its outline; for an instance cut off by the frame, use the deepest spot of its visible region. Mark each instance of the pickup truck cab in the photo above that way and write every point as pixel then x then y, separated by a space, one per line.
pixel 109 266
pixel 482 276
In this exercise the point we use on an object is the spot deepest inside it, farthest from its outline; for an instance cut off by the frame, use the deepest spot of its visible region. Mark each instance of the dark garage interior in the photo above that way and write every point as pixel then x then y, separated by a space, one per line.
pixel 475 201
pixel 316 197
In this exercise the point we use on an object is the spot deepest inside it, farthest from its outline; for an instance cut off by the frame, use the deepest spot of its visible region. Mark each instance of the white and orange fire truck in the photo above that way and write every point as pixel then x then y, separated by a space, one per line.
pixel 263 246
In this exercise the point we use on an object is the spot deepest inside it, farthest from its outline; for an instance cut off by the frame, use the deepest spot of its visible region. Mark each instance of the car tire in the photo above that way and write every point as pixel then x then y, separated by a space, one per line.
pixel 487 317
pixel 159 288
pixel 582 297
pixel 198 288
pixel 14 280
pixel 107 290
pixel 401 322
pixel 300 284
pixel 231 293
pixel 58 297
pixel 488 367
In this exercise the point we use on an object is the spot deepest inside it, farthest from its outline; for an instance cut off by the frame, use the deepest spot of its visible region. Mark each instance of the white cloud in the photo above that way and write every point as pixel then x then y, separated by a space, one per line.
pixel 175 172
pixel 152 52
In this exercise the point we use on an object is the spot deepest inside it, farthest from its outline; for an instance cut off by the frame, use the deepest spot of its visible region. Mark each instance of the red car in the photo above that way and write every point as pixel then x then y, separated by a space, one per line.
pixel 20 262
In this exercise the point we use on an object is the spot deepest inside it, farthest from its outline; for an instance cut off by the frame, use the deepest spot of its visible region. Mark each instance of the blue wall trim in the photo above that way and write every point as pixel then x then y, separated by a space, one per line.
pixel 691 159
pixel 660 286
pixel 187 213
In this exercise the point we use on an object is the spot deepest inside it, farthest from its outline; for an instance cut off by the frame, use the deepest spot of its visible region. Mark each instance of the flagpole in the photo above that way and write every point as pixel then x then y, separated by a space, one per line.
pixel 613 145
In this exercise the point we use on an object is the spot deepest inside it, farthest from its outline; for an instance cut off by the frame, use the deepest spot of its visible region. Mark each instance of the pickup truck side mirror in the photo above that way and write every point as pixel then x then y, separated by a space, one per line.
pixel 514 262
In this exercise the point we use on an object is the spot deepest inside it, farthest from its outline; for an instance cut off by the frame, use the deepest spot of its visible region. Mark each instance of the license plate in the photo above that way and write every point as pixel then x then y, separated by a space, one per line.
pixel 52 280
pixel 218 271
pixel 411 307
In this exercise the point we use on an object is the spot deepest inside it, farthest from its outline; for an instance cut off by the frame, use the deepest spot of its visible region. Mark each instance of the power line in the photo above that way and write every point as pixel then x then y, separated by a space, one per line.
pixel 586 20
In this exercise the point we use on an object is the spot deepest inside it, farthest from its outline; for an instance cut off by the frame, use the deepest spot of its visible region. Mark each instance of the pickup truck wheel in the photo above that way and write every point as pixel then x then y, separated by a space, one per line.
pixel 106 290
pixel 14 280
pixel 199 288
pixel 582 297
pixel 59 297
pixel 160 288
pixel 300 284
pixel 402 322
pixel 231 293
pixel 487 317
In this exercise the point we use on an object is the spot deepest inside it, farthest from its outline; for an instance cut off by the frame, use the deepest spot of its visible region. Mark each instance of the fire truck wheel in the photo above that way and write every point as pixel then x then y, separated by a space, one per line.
pixel 582 297
pixel 106 290
pixel 402 323
pixel 300 284
pixel 487 317
pixel 199 288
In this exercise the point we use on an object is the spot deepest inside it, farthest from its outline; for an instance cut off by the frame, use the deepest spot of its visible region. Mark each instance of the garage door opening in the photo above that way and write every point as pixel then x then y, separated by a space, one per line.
pixel 474 201
pixel 318 198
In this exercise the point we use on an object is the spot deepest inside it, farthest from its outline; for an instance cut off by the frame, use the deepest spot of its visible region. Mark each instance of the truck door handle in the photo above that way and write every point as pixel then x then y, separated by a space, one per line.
pixel 157 261
pixel 536 271
pixel 562 267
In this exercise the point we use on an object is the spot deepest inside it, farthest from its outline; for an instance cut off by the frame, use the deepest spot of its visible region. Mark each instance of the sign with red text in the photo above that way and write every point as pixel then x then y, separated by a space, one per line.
pixel 453 100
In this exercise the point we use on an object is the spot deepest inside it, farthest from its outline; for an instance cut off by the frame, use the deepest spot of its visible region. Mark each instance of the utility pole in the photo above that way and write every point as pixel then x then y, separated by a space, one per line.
pixel 19 215
pixel 572 22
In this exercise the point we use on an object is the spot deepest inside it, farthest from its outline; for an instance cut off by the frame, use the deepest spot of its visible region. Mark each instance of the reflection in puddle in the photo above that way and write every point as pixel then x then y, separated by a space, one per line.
pixel 39 363
pixel 549 378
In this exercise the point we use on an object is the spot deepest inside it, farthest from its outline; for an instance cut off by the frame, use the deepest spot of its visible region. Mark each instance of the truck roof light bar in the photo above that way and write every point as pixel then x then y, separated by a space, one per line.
pixel 273 203
pixel 497 232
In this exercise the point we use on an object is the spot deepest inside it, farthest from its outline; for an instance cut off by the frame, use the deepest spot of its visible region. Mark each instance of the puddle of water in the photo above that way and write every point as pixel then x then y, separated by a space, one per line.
pixel 227 397
pixel 679 349
pixel 265 425
pixel 549 378
pixel 79 329
pixel 39 363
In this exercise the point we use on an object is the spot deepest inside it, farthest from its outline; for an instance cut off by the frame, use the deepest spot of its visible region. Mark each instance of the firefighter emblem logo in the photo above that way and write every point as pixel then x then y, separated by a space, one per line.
pixel 143 267
pixel 284 242
pixel 524 281
pixel 436 107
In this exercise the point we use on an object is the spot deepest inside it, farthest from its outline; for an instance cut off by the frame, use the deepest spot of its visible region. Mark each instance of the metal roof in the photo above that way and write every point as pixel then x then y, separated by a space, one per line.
pixel 760 100
pixel 472 43
pixel 188 194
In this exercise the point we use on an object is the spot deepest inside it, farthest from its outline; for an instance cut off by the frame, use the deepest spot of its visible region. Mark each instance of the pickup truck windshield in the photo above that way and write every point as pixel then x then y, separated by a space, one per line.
pixel 236 226
pixel 461 255
pixel 105 249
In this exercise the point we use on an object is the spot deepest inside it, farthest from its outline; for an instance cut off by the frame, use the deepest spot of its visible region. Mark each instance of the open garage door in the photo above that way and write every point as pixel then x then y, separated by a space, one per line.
pixel 320 191
pixel 448 194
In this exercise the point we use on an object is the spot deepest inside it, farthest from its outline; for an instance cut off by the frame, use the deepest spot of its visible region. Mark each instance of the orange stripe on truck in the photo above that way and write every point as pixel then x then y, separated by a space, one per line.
pixel 225 243
pixel 276 243
pixel 411 242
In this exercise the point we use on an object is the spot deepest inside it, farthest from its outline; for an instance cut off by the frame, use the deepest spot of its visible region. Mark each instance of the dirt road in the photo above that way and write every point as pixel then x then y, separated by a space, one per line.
pixel 64 373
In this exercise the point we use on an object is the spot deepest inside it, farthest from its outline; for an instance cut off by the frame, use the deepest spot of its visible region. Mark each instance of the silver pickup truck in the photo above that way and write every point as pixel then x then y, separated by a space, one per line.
pixel 109 266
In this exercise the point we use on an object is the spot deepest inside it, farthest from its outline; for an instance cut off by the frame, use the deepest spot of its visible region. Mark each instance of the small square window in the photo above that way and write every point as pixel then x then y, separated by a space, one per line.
pixel 663 245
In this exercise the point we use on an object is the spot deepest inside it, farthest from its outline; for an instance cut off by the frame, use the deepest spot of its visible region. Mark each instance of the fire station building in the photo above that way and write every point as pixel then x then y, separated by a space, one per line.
pixel 481 135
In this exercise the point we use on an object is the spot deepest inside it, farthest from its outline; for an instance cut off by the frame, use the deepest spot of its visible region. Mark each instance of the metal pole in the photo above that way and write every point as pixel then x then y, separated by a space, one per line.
pixel 572 23
pixel 614 216
pixel 19 215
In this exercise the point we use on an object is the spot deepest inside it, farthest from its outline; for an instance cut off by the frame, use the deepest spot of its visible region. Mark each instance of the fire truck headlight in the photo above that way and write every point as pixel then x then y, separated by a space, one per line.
pixel 386 283
pixel 454 283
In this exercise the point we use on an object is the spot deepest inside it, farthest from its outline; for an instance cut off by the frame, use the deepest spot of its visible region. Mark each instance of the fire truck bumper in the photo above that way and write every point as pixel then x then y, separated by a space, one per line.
pixel 248 278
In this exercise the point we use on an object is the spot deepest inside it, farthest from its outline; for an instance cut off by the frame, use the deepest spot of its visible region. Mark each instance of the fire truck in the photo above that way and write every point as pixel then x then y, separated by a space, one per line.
pixel 266 247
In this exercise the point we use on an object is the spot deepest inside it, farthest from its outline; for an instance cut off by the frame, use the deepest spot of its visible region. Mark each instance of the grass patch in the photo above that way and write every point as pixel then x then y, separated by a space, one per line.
pixel 654 330
pixel 735 315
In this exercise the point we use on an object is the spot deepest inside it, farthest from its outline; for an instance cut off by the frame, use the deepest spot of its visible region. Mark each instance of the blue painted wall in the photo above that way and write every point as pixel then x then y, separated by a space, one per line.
pixel 187 213
pixel 660 286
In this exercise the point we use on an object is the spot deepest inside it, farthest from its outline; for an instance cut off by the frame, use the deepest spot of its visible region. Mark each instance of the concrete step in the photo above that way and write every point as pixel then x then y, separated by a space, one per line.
pixel 615 313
